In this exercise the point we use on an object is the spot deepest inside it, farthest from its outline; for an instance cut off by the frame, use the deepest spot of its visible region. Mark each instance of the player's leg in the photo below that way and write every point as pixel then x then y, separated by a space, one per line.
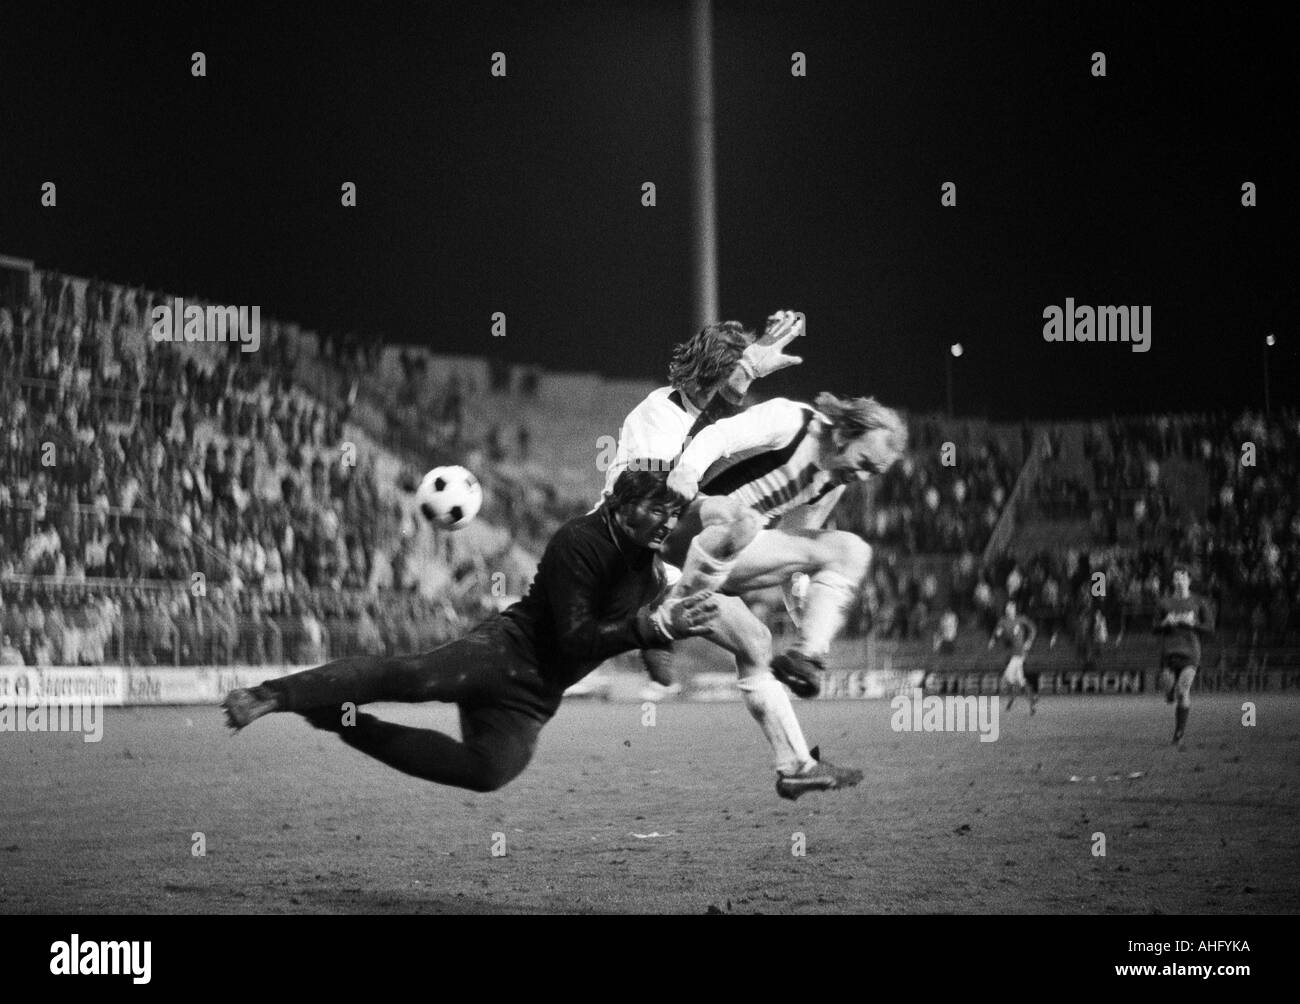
pixel 504 704
pixel 747 638
pixel 1013 678
pixel 1183 700
pixel 799 770
pixel 1167 681
pixel 835 562
pixel 495 747
pixel 718 530
pixel 452 672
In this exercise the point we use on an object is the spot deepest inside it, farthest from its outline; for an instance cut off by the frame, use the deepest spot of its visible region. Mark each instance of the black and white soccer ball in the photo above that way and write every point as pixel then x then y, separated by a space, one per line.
pixel 449 497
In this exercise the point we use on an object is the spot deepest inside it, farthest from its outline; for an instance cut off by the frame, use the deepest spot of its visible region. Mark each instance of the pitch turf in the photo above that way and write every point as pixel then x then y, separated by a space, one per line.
pixel 679 817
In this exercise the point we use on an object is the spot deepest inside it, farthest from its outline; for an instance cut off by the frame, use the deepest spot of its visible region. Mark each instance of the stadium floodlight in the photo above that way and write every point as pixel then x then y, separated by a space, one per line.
pixel 1269 342
pixel 954 351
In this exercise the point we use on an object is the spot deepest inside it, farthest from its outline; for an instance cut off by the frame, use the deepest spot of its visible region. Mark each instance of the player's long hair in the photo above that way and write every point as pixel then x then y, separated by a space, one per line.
pixel 853 417
pixel 708 356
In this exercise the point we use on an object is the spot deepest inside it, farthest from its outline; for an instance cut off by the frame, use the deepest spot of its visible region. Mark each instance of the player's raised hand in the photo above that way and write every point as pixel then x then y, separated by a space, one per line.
pixel 767 355
pixel 783 327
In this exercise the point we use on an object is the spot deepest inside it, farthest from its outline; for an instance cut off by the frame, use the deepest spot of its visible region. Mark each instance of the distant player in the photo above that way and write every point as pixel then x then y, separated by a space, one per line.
pixel 1181 618
pixel 1017 633
pixel 596 594
pixel 761 485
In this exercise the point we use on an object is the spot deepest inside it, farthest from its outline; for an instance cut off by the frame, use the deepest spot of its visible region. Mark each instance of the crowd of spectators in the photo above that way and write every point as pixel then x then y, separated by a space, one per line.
pixel 1243 548
pixel 128 466
pixel 124 460
pixel 938 501
pixel 242 474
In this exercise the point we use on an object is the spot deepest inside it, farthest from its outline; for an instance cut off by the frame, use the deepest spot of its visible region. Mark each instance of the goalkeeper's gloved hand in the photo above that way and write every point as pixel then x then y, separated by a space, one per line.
pixel 683 617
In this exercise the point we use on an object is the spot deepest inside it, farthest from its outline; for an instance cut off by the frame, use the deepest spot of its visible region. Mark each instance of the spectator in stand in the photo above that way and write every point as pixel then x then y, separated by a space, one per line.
pixel 9 655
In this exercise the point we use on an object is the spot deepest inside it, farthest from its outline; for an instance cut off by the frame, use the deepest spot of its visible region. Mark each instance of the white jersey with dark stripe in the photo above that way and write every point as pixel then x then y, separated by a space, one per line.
pixel 766 458
pixel 656 429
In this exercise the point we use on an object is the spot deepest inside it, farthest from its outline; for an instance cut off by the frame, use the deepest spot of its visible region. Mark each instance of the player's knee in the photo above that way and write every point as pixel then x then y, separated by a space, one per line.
pixel 498 766
pixel 744 528
pixel 846 553
pixel 492 775
pixel 729 527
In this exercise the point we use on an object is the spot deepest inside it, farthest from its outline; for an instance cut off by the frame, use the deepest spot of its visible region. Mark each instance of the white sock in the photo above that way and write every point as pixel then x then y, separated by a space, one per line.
pixel 825 610
pixel 770 705
pixel 701 570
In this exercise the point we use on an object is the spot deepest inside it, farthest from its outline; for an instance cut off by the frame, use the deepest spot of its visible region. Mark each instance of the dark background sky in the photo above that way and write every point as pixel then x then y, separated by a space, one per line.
pixel 522 194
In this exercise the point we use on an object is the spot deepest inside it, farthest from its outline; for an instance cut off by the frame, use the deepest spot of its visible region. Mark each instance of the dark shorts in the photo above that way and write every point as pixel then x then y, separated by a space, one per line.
pixel 1176 662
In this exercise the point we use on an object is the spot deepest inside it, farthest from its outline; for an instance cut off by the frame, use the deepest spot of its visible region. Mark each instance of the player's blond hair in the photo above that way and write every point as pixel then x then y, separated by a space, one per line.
pixel 854 417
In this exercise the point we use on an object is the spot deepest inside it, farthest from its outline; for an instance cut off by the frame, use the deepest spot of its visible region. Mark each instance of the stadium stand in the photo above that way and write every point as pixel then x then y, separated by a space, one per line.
pixel 192 504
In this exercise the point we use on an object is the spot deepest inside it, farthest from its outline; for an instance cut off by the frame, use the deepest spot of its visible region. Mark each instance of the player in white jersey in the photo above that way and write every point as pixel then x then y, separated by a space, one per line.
pixel 709 376
pixel 786 463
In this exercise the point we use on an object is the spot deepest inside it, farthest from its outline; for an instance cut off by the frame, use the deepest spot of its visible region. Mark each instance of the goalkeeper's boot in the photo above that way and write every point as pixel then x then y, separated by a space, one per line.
pixel 245 705
pixel 801 673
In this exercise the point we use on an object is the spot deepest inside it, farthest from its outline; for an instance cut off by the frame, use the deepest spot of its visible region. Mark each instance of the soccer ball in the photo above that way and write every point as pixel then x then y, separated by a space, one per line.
pixel 449 497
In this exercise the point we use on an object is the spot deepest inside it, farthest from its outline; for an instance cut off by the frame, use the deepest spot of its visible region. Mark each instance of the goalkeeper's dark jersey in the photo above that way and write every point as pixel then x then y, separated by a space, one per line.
pixel 582 606
pixel 1192 618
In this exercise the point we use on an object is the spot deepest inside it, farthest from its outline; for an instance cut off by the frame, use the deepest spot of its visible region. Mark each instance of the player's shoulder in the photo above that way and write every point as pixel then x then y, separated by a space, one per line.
pixel 661 400
pixel 781 404
pixel 779 411
pixel 582 533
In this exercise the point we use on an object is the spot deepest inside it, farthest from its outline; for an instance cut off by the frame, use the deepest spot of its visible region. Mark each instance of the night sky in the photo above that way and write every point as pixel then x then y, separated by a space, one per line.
pixel 478 194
